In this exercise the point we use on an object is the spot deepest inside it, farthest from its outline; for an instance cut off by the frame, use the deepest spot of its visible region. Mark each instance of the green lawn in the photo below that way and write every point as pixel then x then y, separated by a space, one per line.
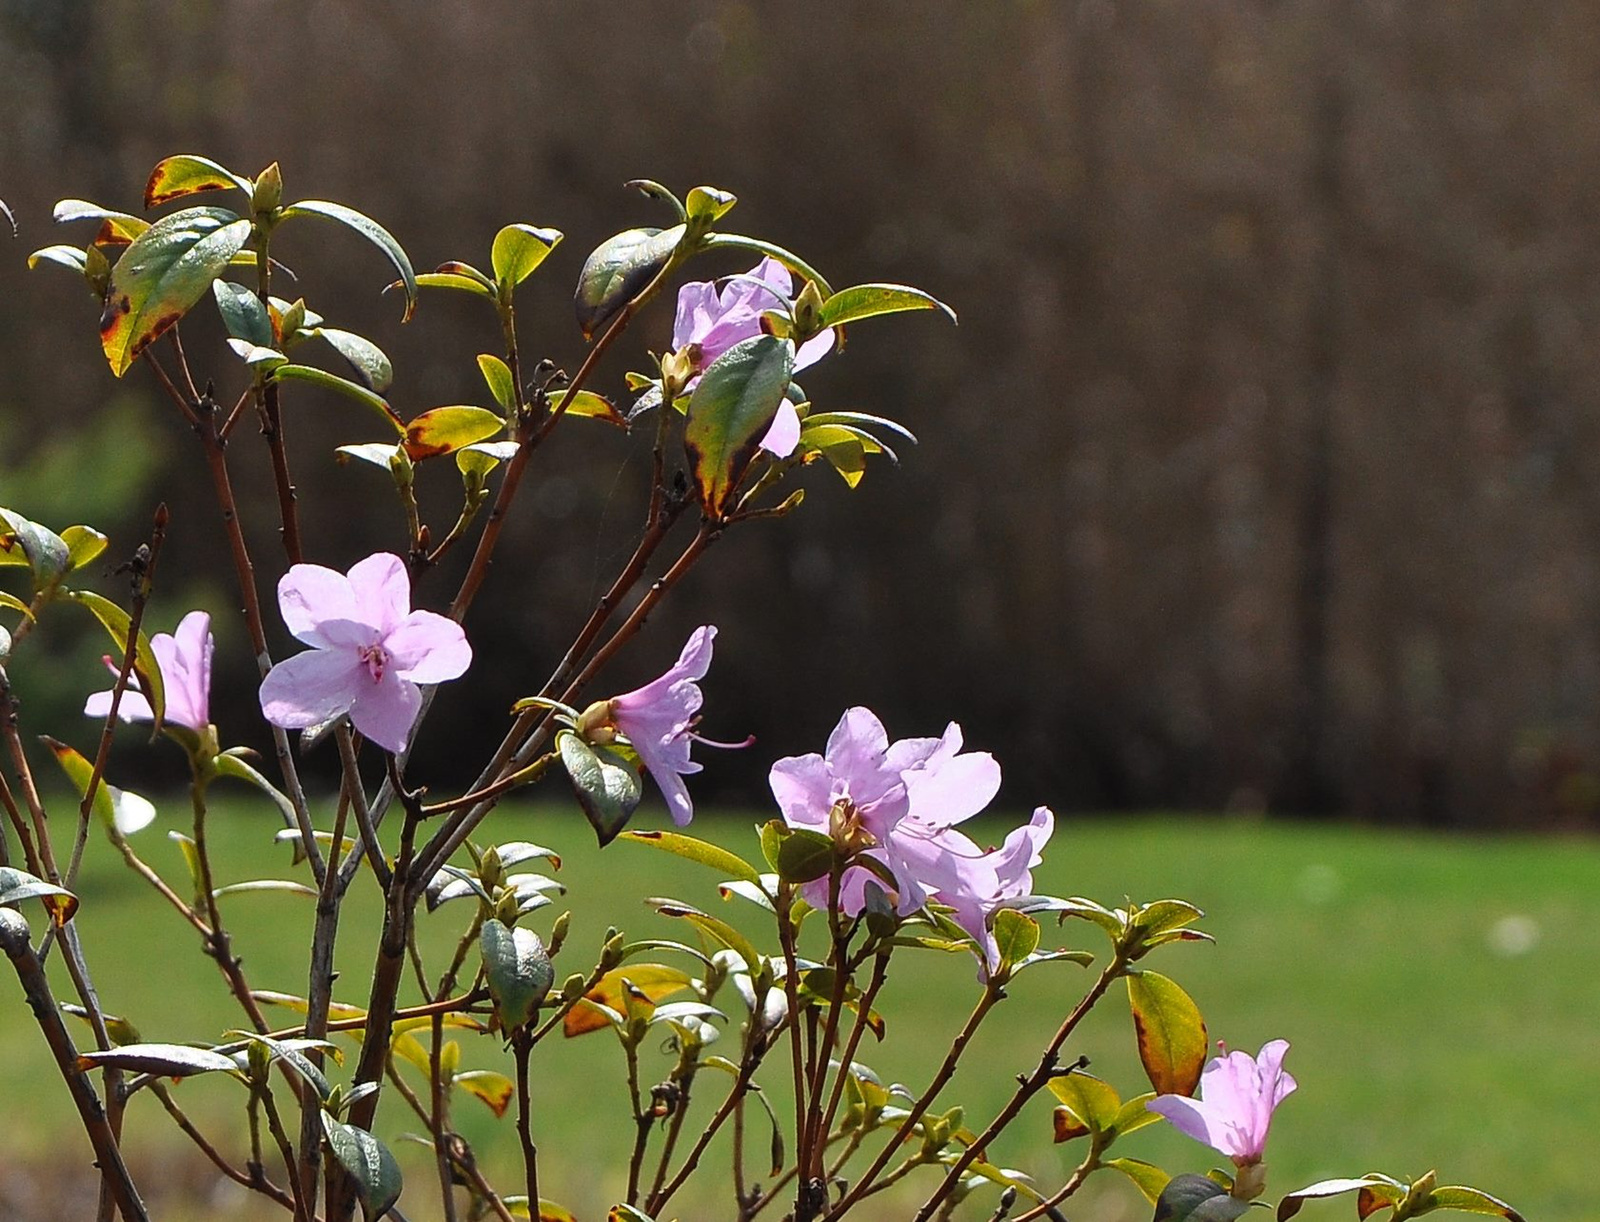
pixel 1439 994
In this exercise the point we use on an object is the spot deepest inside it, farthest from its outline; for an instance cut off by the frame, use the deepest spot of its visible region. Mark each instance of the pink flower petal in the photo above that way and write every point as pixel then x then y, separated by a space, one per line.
pixel 803 788
pixel 385 711
pixel 382 590
pixel 308 594
pixel 311 687
pixel 134 707
pixel 784 434
pixel 428 648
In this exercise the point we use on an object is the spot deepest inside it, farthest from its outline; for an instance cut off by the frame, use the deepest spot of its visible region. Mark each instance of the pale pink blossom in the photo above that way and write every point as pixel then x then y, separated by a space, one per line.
pixel 184 658
pixel 369 652
pixel 1238 1094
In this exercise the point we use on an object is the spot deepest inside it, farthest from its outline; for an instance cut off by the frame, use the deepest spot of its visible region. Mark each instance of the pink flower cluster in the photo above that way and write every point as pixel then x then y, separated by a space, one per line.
pixel 900 803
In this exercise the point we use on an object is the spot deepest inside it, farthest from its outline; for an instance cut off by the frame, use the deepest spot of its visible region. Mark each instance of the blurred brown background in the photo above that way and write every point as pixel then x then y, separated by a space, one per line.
pixel 1261 470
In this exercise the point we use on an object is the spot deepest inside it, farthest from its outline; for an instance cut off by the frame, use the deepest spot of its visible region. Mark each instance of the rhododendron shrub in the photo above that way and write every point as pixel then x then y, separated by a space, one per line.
pixel 860 866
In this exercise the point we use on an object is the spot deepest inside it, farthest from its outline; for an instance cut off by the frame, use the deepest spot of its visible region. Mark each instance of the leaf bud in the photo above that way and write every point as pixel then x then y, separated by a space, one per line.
pixel 268 194
pixel 259 1057
pixel 595 724
pixel 490 872
pixel 558 932
pixel 507 907
pixel 611 953
pixel 676 370
pixel 572 988
pixel 807 312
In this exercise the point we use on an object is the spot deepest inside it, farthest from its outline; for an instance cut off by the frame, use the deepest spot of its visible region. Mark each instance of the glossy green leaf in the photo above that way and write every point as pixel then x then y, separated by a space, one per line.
pixel 1089 1104
pixel 444 430
pixel 708 205
pixel 116 623
pixel 729 865
pixel 84 543
pixel 1171 1033
pixel 242 770
pixel 166 1060
pixel 519 249
pixel 803 856
pixel 588 405
pixel 378 453
pixel 655 980
pixel 18 885
pixel 1194 1198
pixel 39 547
pixel 292 1053
pixel 455 280
pixel 549 1211
pixel 608 789
pixel 352 390
pixel 739 241
pixel 116 228
pixel 714 926
pixel 477 460
pixel 369 362
pixel 495 1089
pixel 184 174
pixel 371 1166
pixel 161 275
pixel 1147 1177
pixel 497 374
pixel 730 411
pixel 1016 936
pixel 117 809
pixel 866 300
pixel 1472 1201
pixel 1135 1114
pixel 518 970
pixel 1292 1202
pixel 618 270
pixel 262 361
pixel 265 884
pixel 71 257
pixel 369 229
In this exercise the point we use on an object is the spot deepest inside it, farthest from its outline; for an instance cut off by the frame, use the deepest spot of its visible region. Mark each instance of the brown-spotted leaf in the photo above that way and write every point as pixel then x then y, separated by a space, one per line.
pixel 655 980
pixel 185 174
pixel 447 429
pixel 1171 1033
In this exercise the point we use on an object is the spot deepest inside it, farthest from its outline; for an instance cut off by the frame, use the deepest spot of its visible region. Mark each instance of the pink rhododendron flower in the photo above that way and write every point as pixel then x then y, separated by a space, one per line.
pixel 715 321
pixel 898 803
pixel 659 720
pixel 369 650
pixel 185 661
pixel 1238 1093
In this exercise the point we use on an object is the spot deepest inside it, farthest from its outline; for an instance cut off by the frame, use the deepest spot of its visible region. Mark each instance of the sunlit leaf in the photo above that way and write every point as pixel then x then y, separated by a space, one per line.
pixel 1016 936
pixel 71 257
pixel 185 175
pixel 443 430
pixel 18 885
pixel 84 543
pixel 730 411
pixel 241 770
pixel 265 884
pixel 40 548
pixel 1171 1033
pixel 619 269
pixel 519 249
pixel 655 980
pixel 369 229
pixel 352 390
pixel 608 788
pixel 161 275
pixel 518 970
pixel 495 1089
pixel 376 1174
pixel 588 405
pixel 1292 1202
pixel 116 623
pixel 497 374
pixel 1194 1198
pixel 454 280
pixel 716 927
pixel 866 300
pixel 1088 1100
pixel 116 228
pixel 1147 1177
pixel 167 1060
pixel 719 859
pixel 117 809
pixel 371 365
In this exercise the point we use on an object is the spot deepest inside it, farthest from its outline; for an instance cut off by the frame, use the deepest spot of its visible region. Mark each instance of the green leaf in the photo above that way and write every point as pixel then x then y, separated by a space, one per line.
pixel 519 249
pixel 165 1060
pixel 15 604
pixel 191 858
pixel 495 1089
pixel 655 980
pixel 518 971
pixel 265 884
pixel 715 926
pixel 39 547
pixel 369 361
pixel 708 205
pixel 1135 1115
pixel 378 453
pixel 369 229
pixel 443 430
pixel 291 1054
pixel 119 811
pixel 480 458
pixel 1016 936
pixel 1171 1033
pixel 164 271
pixel 330 381
pixel 627 1213
pixel 501 384
pixel 1147 1177
pixel 588 405
pixel 71 257
pixel 549 1211
pixel 116 623
pixel 116 228
pixel 739 241
pixel 866 300
pixel 618 270
pixel 1091 1105
pixel 608 789
pixel 1472 1201
pixel 377 1175
pixel 84 543
pixel 185 175
pixel 1194 1198
pixel 729 865
pixel 454 280
pixel 18 885
pixel 730 411
pixel 803 856
pixel 240 770
pixel 262 361
pixel 1290 1205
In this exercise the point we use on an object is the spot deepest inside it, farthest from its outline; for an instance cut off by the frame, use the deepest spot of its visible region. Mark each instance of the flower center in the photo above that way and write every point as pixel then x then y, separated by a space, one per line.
pixel 846 828
pixel 377 658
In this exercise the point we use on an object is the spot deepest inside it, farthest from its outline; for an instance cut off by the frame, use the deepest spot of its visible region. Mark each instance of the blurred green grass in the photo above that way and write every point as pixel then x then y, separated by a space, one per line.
pixel 1439 993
